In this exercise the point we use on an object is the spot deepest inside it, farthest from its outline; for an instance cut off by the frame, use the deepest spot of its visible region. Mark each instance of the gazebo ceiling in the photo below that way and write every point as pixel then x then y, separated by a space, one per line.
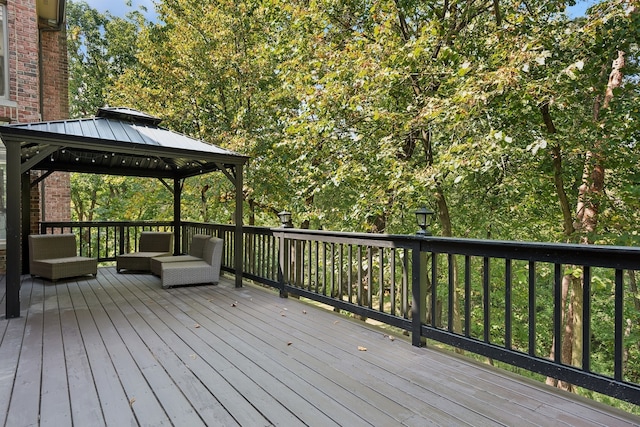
pixel 117 141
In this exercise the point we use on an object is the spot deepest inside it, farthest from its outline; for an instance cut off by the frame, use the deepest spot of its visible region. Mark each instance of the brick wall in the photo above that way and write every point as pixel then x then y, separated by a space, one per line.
pixel 55 106
pixel 24 99
pixel 38 91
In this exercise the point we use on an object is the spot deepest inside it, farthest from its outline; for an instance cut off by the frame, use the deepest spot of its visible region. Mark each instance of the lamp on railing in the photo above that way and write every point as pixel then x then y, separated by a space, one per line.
pixel 423 218
pixel 285 219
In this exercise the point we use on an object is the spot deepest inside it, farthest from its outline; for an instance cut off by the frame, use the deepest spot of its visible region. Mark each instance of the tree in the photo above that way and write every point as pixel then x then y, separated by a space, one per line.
pixel 101 47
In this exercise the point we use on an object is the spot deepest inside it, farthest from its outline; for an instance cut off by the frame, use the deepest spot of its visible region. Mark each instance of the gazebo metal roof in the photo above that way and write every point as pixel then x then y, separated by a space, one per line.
pixel 118 141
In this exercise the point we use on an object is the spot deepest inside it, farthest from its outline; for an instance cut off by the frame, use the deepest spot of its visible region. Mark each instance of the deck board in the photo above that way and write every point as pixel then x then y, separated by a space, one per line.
pixel 55 407
pixel 120 350
pixel 24 405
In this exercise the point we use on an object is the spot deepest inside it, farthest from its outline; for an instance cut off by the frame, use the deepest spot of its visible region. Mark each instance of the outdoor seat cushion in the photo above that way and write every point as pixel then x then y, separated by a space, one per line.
pixel 157 262
pixel 137 261
pixel 59 268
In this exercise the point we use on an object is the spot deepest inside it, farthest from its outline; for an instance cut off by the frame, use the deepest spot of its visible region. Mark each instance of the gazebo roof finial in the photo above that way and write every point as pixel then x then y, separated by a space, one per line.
pixel 128 114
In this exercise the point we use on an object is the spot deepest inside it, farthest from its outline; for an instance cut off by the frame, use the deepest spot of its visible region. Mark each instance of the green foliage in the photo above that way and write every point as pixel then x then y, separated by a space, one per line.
pixel 354 113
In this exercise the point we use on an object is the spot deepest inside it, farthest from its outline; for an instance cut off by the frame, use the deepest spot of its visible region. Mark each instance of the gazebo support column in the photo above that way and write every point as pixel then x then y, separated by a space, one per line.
pixel 177 215
pixel 238 246
pixel 25 185
pixel 14 234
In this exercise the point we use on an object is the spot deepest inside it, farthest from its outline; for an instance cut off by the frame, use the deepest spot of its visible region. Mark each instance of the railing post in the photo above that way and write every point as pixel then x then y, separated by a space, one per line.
pixel 121 242
pixel 418 292
pixel 283 262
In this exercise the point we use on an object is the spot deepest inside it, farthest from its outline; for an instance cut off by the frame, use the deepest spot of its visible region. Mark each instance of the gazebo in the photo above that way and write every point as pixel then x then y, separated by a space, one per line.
pixel 117 141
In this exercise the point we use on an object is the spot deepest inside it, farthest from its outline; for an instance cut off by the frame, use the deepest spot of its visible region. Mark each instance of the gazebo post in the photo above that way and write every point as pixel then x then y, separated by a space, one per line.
pixel 238 255
pixel 25 188
pixel 14 234
pixel 177 220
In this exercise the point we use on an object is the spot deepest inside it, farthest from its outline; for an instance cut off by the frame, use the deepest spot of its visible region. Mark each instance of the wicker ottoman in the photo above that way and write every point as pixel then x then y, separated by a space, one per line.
pixel 196 250
pixel 157 262
pixel 206 270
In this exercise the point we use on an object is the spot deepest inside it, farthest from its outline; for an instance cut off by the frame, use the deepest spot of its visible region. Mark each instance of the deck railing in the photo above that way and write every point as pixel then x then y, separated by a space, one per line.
pixel 513 302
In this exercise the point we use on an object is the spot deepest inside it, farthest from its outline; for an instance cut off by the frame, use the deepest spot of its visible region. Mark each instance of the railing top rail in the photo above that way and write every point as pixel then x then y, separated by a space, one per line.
pixel 621 257
pixel 364 239
pixel 103 223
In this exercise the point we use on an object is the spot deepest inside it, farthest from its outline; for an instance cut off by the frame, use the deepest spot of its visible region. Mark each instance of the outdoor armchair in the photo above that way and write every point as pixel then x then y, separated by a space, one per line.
pixel 151 244
pixel 54 256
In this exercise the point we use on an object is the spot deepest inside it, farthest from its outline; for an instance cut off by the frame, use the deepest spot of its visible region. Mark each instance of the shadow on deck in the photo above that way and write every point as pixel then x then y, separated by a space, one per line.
pixel 119 350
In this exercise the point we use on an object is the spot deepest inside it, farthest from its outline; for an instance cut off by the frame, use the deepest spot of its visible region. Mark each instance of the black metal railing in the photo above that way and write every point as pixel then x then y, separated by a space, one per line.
pixel 568 312
pixel 509 301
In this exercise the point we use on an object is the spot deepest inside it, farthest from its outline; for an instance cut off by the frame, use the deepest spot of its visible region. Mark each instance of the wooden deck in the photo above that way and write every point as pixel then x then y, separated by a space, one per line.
pixel 119 350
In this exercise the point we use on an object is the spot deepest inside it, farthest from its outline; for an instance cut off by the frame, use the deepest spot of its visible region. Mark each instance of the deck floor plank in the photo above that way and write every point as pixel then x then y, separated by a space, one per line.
pixel 299 358
pixel 454 378
pixel 91 354
pixel 108 317
pixel 55 406
pixel 383 365
pixel 204 365
pixel 24 406
pixel 131 359
pixel 147 327
pixel 10 345
pixel 375 369
pixel 276 371
pixel 234 364
pixel 120 350
pixel 88 363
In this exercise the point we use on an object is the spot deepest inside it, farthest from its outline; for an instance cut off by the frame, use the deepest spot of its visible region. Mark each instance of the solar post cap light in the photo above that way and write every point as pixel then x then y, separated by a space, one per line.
pixel 423 218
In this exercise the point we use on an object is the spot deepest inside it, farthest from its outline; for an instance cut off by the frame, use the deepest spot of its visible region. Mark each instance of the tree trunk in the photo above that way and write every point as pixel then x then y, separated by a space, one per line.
pixel 567 321
pixel 633 288
pixel 587 210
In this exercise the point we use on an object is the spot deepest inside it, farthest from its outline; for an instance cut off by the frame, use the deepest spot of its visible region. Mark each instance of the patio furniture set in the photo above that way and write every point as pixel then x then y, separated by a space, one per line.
pixel 54 257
